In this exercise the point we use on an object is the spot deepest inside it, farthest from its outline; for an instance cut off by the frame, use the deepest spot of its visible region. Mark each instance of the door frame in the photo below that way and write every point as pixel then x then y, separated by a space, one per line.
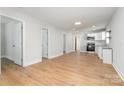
pixel 64 43
pixel 22 35
pixel 45 28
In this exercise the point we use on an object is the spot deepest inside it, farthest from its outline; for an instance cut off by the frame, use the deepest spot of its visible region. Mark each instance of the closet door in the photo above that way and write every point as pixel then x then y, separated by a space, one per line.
pixel 17 34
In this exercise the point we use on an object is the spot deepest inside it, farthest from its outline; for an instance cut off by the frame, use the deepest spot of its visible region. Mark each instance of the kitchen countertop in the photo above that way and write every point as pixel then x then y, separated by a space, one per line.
pixel 106 48
pixel 103 47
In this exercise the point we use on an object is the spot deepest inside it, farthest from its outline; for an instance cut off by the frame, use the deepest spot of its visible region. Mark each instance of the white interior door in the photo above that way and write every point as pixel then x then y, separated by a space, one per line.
pixel 17 34
pixel 45 43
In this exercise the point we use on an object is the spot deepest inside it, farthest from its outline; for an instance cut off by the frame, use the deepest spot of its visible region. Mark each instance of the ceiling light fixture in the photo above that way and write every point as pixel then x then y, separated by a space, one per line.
pixel 93 26
pixel 77 23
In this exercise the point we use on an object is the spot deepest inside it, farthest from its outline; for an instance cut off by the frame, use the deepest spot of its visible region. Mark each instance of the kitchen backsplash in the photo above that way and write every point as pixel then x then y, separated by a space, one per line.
pixel 100 43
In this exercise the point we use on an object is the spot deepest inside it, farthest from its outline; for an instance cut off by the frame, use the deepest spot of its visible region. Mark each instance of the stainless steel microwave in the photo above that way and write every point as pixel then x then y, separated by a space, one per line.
pixel 90 38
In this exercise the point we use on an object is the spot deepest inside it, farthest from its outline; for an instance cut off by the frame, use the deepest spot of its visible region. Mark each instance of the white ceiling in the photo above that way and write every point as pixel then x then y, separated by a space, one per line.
pixel 64 17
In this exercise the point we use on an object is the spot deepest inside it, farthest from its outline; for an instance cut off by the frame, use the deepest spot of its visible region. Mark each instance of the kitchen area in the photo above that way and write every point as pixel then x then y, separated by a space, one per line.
pixel 98 42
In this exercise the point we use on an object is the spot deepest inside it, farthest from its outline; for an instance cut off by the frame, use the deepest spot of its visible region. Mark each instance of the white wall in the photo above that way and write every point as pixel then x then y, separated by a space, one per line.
pixel 117 42
pixel 70 42
pixel 32 37
pixel 83 41
pixel 32 45
pixel 55 42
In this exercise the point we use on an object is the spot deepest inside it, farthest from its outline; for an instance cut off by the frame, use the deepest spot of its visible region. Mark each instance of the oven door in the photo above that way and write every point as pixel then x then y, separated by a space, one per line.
pixel 91 47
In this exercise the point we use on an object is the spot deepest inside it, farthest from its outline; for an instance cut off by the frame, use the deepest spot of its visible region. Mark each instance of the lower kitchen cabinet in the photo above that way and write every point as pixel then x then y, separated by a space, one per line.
pixel 107 55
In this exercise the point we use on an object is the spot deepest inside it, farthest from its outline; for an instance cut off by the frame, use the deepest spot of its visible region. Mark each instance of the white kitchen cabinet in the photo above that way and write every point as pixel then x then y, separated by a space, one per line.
pixel 103 35
pixel 107 55
pixel 90 34
pixel 100 36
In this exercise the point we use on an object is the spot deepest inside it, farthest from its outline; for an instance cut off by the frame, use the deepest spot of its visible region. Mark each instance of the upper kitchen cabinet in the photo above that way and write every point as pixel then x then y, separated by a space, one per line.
pixel 100 36
pixel 91 35
pixel 97 35
pixel 108 36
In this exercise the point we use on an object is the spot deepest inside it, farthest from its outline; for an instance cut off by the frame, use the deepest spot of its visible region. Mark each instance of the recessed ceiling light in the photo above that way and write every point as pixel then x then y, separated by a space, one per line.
pixel 77 23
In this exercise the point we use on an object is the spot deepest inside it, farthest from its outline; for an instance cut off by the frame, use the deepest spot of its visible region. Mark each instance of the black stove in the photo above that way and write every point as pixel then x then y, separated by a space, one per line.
pixel 90 46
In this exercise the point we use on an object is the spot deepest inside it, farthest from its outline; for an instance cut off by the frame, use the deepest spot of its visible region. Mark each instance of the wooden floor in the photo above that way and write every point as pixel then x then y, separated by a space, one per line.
pixel 69 69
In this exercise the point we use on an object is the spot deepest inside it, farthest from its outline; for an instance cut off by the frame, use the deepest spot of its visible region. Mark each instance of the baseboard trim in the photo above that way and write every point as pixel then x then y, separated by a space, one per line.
pixel 119 72
pixel 83 51
pixel 8 57
pixel 69 51
pixel 32 62
pixel 3 56
pixel 51 57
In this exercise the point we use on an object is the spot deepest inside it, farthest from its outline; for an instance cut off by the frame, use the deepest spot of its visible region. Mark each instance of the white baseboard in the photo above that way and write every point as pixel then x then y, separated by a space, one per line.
pixel 119 72
pixel 83 51
pixel 25 64
pixel 50 57
pixel 69 51
pixel 7 57
pixel 3 56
